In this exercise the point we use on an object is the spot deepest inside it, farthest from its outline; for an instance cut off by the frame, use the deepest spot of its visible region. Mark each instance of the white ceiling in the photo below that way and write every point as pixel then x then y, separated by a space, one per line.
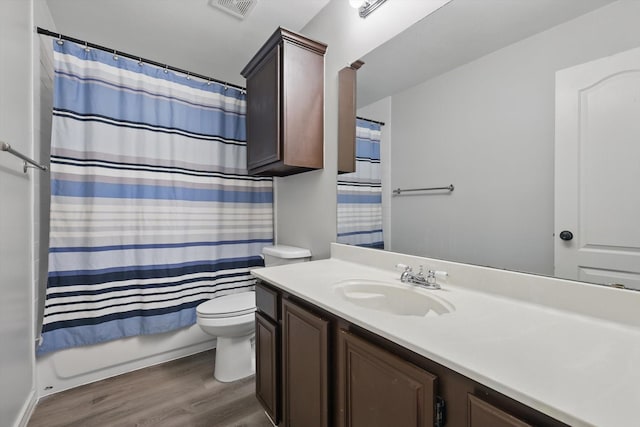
pixel 192 35
pixel 455 34
pixel 188 34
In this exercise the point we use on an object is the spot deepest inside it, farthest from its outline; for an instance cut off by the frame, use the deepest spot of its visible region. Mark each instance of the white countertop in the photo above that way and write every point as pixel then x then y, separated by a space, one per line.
pixel 580 369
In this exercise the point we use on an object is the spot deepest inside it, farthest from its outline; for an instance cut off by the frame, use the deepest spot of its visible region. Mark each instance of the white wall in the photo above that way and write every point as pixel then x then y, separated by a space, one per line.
pixel 488 128
pixel 16 303
pixel 306 203
pixel 381 111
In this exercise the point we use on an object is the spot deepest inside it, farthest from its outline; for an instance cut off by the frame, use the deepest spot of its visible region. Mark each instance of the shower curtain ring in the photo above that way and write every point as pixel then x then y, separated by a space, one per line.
pixel 86 47
pixel 115 55
pixel 60 42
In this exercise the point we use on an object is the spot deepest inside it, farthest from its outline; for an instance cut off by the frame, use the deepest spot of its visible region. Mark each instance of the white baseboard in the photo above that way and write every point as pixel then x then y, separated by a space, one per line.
pixel 27 409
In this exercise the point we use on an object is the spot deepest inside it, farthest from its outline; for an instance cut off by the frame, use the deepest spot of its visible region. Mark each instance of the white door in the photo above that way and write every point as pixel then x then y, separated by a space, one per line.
pixel 597 171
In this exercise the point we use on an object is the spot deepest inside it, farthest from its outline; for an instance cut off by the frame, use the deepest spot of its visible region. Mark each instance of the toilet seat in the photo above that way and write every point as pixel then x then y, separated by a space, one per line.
pixel 228 306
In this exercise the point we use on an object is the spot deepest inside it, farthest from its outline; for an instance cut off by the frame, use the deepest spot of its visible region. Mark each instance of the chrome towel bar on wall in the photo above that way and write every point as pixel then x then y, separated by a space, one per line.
pixel 399 191
pixel 6 147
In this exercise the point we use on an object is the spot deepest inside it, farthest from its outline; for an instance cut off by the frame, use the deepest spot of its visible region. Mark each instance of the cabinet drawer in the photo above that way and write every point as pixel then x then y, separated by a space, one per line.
pixel 483 414
pixel 267 301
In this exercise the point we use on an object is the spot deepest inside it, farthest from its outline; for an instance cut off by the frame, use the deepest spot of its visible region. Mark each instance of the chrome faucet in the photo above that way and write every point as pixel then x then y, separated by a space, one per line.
pixel 419 279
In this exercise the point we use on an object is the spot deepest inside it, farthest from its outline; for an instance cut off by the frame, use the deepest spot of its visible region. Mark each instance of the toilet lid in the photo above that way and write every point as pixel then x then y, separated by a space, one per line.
pixel 228 305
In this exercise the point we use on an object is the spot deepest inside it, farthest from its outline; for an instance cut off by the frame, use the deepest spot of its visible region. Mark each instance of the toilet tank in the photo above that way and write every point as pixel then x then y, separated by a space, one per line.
pixel 283 254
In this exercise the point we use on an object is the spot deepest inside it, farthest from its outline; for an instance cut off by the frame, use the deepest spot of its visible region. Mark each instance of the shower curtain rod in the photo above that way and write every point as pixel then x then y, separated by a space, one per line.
pixel 369 120
pixel 135 57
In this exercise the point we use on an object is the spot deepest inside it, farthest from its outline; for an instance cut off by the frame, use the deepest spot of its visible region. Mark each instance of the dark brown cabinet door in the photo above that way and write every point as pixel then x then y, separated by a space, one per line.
pixel 263 112
pixel 267 370
pixel 285 105
pixel 347 88
pixel 305 367
pixel 378 389
pixel 483 414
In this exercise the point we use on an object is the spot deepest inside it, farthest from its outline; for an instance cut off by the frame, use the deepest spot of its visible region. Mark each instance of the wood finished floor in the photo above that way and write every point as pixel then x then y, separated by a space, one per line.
pixel 180 393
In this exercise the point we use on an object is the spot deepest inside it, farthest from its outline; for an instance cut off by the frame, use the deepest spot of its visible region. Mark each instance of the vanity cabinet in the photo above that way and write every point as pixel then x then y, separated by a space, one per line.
pixel 377 388
pixel 331 372
pixel 292 361
pixel 285 105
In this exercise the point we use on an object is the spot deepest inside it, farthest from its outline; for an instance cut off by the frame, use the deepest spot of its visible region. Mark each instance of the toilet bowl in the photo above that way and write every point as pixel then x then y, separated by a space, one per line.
pixel 231 318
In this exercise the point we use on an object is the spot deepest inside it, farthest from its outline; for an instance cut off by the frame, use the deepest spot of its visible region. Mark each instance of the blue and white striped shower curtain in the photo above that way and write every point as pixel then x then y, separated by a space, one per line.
pixel 360 192
pixel 152 211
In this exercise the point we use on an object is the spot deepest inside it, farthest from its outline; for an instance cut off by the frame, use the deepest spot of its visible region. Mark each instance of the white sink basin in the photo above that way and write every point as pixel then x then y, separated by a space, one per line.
pixel 387 297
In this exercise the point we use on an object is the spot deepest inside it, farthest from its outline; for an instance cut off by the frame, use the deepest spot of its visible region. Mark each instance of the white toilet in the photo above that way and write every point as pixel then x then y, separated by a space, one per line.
pixel 231 319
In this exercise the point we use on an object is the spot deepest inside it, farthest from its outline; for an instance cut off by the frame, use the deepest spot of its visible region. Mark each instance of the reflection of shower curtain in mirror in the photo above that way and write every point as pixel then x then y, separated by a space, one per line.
pixel 152 211
pixel 360 192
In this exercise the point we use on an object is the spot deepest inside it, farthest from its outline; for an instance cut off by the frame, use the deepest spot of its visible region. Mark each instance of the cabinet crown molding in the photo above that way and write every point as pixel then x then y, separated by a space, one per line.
pixel 279 36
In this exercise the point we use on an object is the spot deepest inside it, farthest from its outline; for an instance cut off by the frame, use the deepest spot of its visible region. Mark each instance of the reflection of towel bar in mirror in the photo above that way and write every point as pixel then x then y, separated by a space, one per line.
pixel 399 191
pixel 6 147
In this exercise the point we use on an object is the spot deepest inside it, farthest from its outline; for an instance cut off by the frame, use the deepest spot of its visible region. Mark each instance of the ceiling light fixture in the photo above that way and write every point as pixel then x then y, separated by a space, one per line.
pixel 365 7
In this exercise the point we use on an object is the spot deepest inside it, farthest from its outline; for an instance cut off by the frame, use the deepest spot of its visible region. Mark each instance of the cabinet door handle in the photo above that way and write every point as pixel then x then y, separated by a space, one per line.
pixel 441 412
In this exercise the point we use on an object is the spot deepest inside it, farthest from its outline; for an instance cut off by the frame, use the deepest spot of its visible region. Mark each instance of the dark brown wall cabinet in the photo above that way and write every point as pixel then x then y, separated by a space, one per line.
pixel 330 372
pixel 285 105
pixel 347 104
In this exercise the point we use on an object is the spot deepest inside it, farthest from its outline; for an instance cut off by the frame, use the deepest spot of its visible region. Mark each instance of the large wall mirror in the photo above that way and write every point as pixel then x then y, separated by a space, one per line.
pixel 477 95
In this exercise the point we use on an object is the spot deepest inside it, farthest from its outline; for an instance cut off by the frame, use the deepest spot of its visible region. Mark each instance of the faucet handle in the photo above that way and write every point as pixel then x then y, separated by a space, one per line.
pixel 431 277
pixel 404 267
pixel 441 275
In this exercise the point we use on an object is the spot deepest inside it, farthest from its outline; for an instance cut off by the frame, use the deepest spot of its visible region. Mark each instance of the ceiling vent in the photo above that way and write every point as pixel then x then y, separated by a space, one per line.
pixel 238 8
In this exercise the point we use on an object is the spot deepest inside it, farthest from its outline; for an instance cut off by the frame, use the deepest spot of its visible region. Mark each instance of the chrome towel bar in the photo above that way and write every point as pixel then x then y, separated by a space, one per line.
pixel 399 191
pixel 6 147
